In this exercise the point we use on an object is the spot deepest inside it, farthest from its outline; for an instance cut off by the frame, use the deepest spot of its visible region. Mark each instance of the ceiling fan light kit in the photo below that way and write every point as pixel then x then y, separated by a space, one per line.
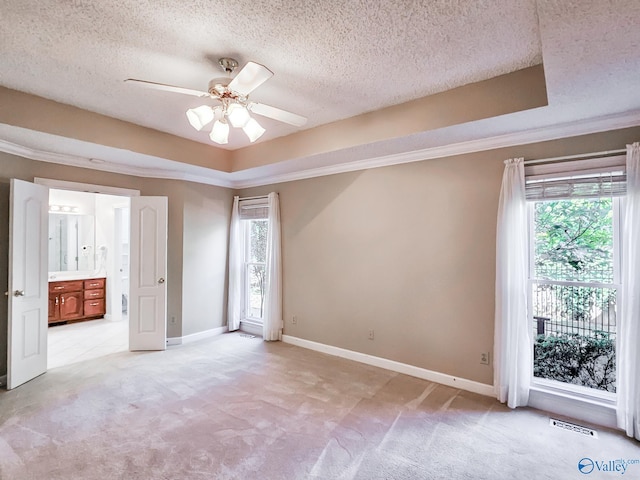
pixel 200 117
pixel 238 115
pixel 253 130
pixel 235 105
pixel 220 132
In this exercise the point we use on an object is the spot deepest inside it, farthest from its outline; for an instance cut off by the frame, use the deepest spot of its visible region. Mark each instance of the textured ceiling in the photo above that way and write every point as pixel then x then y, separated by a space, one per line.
pixel 332 59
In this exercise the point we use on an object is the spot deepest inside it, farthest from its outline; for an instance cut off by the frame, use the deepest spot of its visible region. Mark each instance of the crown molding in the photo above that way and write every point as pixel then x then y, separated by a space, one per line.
pixel 223 179
pixel 542 134
pixel 212 177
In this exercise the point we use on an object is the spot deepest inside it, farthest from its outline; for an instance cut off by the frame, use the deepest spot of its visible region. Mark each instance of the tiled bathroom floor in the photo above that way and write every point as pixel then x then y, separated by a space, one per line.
pixel 81 341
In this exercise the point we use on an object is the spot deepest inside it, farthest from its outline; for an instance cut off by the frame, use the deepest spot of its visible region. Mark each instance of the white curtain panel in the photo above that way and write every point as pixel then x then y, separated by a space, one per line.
pixel 512 342
pixel 272 328
pixel 234 305
pixel 628 355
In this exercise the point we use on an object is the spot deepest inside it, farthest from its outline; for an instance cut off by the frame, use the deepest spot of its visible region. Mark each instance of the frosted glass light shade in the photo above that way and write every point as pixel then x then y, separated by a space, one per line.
pixel 220 132
pixel 200 117
pixel 238 115
pixel 253 130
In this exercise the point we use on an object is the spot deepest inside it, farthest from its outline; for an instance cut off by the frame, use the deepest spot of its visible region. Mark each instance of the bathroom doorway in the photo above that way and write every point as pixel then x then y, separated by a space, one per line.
pixel 88 248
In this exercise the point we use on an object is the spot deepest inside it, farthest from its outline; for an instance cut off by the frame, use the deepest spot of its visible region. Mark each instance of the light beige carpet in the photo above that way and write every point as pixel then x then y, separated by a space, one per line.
pixel 238 408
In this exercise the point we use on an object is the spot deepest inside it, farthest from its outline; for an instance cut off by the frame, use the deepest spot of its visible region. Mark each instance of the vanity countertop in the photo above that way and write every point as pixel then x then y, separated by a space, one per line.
pixel 63 277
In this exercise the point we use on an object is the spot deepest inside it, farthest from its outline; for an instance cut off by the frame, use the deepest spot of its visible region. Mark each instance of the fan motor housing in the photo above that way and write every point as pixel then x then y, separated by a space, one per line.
pixel 218 86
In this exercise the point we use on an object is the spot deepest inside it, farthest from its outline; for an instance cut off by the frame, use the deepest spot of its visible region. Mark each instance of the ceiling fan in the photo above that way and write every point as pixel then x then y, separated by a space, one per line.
pixel 234 108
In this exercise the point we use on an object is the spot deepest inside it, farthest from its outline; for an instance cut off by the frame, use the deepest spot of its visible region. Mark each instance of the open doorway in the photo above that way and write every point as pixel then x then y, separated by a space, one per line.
pixel 88 276
pixel 27 331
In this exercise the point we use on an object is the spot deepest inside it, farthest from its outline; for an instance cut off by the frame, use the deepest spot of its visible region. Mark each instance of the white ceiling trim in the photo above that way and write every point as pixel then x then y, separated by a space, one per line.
pixel 105 166
pixel 584 127
pixel 223 179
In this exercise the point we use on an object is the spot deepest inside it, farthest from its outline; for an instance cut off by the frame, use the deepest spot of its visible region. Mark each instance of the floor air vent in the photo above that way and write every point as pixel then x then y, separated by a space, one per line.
pixel 573 427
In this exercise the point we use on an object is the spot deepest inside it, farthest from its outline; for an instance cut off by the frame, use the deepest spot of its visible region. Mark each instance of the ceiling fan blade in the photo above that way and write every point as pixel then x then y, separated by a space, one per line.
pixel 277 114
pixel 166 88
pixel 249 78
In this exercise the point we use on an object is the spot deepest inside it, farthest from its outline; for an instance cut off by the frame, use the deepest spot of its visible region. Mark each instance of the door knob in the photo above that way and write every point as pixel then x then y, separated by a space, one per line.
pixel 18 293
pixel 161 280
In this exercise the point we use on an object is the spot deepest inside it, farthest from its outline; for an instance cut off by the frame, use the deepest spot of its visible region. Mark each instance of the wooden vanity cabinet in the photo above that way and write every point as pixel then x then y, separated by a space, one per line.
pixel 75 300
pixel 93 297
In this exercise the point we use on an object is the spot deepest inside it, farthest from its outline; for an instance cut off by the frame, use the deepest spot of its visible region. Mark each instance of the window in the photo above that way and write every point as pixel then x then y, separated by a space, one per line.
pixel 255 235
pixel 255 227
pixel 574 287
pixel 574 280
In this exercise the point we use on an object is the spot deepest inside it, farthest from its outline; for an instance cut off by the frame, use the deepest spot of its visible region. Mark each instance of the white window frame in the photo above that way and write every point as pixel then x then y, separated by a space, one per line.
pixel 246 248
pixel 253 208
pixel 553 386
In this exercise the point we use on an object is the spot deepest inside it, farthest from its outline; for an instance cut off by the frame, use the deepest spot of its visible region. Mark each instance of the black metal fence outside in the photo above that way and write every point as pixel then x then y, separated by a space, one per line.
pixel 573 309
pixel 574 328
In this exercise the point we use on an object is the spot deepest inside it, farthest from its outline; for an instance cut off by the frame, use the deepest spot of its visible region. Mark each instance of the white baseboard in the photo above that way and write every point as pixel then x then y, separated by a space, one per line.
pixel 3 380
pixel 214 332
pixel 194 337
pixel 437 377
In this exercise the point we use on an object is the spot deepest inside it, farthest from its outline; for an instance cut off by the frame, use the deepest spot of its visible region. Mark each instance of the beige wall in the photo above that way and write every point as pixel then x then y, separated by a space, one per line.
pixel 188 235
pixel 408 251
pixel 207 215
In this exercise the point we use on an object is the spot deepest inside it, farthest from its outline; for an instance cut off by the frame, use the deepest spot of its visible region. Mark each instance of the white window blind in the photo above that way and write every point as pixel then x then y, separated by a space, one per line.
pixel 590 178
pixel 254 209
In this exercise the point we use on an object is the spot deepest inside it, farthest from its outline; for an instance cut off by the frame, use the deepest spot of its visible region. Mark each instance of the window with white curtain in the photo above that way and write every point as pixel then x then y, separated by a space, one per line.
pixel 255 227
pixel 574 272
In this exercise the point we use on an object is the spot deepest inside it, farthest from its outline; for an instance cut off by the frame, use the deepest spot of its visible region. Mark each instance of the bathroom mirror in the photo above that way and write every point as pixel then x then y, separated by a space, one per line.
pixel 71 243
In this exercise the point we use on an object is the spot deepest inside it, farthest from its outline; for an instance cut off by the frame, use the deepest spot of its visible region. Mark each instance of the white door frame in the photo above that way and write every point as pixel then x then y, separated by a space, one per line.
pixel 86 187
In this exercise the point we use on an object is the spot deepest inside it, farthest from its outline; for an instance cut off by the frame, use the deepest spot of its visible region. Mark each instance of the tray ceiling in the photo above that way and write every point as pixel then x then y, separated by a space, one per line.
pixel 332 60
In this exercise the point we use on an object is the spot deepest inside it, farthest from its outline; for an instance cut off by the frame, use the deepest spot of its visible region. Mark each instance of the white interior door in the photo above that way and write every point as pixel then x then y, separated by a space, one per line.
pixel 148 287
pixel 28 288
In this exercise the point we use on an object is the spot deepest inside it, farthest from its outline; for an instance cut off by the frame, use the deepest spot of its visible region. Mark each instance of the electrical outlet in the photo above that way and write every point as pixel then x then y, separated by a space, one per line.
pixel 294 319
pixel 484 358
pixel 371 334
pixel 173 320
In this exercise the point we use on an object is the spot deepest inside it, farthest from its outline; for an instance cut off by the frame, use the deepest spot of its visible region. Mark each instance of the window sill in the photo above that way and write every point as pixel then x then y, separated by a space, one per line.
pixel 574 401
pixel 251 326
pixel 250 321
pixel 584 394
